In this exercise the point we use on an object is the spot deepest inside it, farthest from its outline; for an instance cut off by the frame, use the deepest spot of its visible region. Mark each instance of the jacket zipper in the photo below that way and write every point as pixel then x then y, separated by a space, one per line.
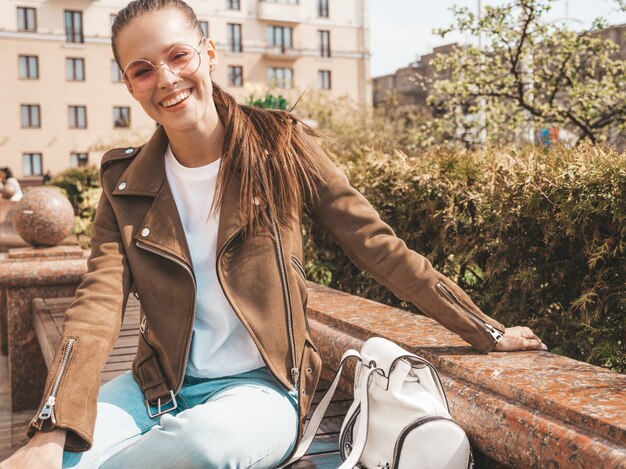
pixel 47 411
pixel 495 334
pixel 295 373
pixel 193 312
pixel 406 430
pixel 298 266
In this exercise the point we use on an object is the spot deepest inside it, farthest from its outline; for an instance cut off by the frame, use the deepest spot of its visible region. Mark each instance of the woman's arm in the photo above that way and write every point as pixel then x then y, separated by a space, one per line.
pixel 372 245
pixel 91 326
pixel 43 450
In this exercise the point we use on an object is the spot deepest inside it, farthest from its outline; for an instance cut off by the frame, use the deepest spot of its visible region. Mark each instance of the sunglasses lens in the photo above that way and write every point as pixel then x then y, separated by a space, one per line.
pixel 183 60
pixel 140 75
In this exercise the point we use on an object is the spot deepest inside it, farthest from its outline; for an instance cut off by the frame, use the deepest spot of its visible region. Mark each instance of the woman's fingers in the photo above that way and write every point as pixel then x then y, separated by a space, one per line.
pixel 520 338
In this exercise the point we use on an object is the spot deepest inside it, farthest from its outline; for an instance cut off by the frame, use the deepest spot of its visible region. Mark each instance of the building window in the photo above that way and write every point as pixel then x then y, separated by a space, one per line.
pixel 29 67
pixel 323 79
pixel 279 37
pixel 116 73
pixel 26 19
pixel 74 69
pixel 74 26
pixel 233 4
pixel 235 75
pixel 31 116
pixel 31 164
pixel 79 159
pixel 204 26
pixel 322 8
pixel 78 117
pixel 323 40
pixel 234 37
pixel 121 116
pixel 280 77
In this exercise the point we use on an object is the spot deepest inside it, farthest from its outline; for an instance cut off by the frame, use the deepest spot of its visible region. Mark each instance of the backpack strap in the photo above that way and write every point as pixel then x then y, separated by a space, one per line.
pixel 318 414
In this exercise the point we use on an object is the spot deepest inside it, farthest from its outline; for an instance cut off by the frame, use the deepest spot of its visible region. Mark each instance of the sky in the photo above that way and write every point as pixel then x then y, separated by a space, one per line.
pixel 401 30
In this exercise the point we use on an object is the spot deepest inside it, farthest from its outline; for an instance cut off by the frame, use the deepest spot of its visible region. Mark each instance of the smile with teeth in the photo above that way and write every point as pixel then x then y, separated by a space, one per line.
pixel 177 99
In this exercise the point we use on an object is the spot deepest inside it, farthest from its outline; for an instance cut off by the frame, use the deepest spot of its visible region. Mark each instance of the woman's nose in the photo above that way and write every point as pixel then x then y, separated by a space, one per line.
pixel 165 77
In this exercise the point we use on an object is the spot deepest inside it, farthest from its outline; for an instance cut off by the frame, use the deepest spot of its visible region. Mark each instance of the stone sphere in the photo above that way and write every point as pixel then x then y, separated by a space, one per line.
pixel 43 217
pixel 8 191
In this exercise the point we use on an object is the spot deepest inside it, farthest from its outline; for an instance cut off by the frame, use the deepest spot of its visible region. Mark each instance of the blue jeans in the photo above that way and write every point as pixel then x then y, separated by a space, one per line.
pixel 243 421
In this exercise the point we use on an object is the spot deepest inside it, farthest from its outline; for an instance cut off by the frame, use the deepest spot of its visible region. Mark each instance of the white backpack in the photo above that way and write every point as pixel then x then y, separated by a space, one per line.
pixel 399 418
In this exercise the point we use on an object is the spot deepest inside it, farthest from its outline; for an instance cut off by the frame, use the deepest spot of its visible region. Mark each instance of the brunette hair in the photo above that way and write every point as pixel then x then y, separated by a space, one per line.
pixel 274 151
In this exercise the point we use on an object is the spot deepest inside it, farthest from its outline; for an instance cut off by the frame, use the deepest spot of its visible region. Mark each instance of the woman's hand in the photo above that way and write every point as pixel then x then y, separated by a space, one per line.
pixel 44 450
pixel 519 338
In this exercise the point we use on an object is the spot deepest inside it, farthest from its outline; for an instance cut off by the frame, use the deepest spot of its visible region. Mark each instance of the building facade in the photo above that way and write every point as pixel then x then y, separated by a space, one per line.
pixel 65 103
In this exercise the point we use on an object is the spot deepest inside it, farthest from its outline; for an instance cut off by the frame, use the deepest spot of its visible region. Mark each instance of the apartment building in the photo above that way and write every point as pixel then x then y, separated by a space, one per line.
pixel 65 103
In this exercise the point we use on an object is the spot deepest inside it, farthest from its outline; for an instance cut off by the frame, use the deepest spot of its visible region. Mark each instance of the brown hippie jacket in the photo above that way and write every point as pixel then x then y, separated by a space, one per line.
pixel 139 246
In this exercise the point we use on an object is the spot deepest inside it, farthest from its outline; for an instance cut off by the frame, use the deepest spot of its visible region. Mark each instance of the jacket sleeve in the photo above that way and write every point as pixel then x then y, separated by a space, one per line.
pixel 372 246
pixel 91 326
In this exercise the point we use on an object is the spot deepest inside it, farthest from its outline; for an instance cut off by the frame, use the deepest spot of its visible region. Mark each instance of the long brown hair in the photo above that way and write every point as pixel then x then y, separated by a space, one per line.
pixel 274 152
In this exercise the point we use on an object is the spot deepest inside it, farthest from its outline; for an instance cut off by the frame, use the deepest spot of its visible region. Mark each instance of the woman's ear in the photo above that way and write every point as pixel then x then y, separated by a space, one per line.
pixel 212 52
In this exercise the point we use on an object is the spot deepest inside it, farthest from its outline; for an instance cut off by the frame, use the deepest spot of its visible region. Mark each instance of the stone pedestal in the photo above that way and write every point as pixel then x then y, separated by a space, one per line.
pixel 27 273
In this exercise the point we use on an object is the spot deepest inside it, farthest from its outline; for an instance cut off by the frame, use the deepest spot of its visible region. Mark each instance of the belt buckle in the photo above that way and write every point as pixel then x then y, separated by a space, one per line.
pixel 160 411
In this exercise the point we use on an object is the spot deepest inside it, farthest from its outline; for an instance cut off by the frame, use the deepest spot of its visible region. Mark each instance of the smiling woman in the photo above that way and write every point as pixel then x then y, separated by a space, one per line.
pixel 203 223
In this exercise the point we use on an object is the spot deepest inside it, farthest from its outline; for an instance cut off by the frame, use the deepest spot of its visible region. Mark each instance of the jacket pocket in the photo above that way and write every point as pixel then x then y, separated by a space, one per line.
pixel 298 266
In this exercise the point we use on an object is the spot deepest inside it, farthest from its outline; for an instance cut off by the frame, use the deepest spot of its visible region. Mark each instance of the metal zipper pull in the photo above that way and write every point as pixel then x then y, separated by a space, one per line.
pixel 46 411
pixel 495 333
pixel 295 376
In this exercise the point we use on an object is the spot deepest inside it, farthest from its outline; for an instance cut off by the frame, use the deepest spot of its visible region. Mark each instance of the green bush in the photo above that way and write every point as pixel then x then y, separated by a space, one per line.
pixel 82 187
pixel 537 237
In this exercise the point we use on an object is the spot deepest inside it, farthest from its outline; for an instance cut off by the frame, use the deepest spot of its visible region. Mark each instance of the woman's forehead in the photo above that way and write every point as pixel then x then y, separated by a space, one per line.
pixel 151 35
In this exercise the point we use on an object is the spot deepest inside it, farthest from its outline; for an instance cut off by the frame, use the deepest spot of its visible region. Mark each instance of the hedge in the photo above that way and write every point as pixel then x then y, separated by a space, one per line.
pixel 537 237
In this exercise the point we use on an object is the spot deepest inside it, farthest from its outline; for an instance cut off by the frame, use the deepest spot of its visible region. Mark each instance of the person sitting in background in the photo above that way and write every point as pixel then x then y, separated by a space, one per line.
pixel 10 187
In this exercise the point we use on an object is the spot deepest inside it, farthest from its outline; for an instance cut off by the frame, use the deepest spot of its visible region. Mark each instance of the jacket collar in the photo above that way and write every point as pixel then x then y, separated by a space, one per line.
pixel 145 176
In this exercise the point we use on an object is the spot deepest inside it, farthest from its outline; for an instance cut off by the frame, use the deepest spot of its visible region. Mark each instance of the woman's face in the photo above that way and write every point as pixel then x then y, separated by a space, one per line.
pixel 150 37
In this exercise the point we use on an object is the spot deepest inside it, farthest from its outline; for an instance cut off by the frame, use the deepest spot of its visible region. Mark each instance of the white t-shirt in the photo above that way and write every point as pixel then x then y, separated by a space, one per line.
pixel 221 345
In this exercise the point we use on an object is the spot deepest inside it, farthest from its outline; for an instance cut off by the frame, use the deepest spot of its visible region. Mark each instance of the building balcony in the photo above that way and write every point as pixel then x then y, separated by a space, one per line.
pixel 281 53
pixel 283 12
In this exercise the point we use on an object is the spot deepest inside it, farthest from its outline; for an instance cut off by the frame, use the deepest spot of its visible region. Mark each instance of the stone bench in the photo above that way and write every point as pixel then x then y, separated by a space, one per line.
pixel 47 317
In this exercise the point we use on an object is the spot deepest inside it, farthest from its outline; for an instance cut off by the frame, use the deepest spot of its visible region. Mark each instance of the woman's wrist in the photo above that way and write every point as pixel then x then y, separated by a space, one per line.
pixel 57 435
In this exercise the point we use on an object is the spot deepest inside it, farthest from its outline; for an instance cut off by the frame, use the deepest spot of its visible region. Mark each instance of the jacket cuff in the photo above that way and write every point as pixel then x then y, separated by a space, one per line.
pixel 76 439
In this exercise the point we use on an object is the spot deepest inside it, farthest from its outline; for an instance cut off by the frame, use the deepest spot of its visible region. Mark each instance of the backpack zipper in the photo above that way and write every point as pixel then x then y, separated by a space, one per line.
pixel 406 430
pixel 347 437
pixel 139 244
pixel 295 372
pixel 495 334
pixel 47 410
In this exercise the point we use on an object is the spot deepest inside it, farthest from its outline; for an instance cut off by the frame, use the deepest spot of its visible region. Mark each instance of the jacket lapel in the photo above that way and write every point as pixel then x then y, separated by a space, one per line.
pixel 145 176
pixel 161 227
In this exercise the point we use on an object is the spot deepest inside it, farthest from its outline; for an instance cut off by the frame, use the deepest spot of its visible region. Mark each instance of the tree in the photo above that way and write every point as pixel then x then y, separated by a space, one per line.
pixel 531 73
